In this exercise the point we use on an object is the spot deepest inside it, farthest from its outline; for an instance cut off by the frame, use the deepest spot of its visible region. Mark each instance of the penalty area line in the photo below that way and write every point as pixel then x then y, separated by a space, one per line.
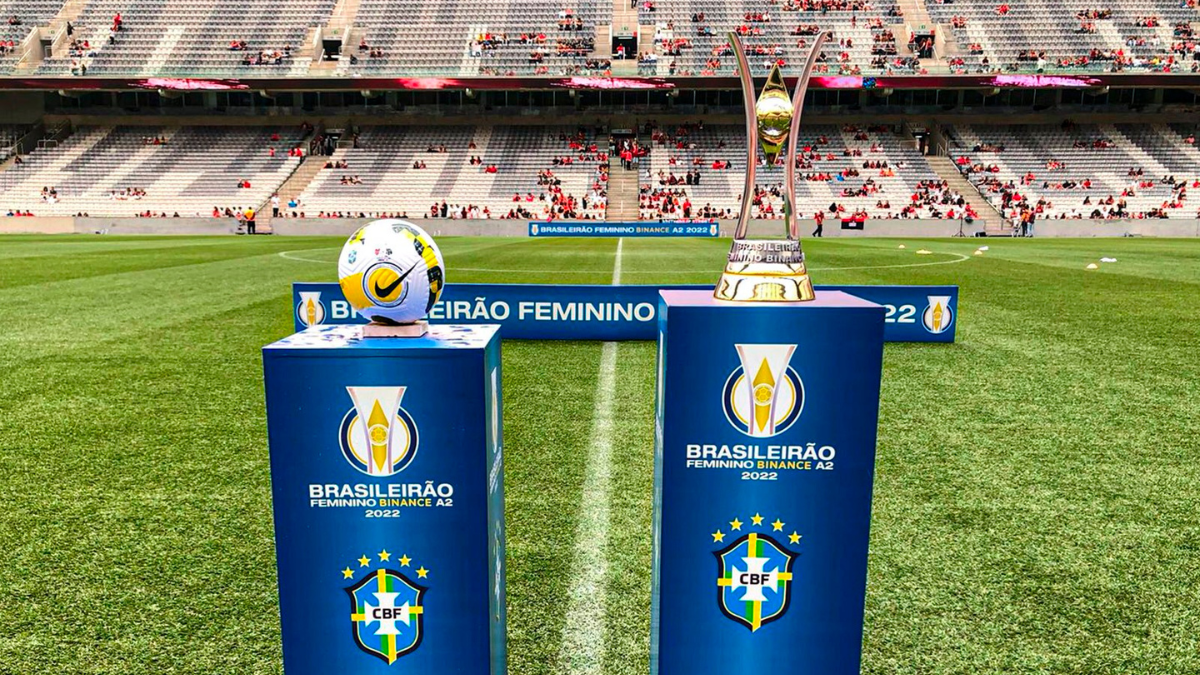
pixel 582 648
pixel 291 255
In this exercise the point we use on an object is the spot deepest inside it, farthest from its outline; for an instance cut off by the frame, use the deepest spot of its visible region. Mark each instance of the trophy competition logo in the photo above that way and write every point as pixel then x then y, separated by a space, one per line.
pixel 764 395
pixel 754 571
pixel 310 310
pixel 387 614
pixel 377 436
pixel 938 316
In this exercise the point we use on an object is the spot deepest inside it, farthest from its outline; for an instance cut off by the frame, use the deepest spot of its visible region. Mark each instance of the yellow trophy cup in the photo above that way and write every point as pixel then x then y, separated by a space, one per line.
pixel 769 270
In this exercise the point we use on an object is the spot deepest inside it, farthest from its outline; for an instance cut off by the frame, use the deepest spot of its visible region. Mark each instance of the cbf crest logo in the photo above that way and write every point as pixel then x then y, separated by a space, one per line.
pixel 764 395
pixel 377 436
pixel 310 310
pixel 754 572
pixel 387 608
pixel 938 317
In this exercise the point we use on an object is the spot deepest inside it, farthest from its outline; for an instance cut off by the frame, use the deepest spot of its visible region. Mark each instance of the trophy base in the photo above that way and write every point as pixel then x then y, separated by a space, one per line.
pixel 765 270
pixel 399 330
pixel 739 287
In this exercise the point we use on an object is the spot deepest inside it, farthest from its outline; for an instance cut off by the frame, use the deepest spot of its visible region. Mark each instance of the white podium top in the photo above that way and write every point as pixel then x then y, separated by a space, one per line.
pixel 440 336
pixel 824 300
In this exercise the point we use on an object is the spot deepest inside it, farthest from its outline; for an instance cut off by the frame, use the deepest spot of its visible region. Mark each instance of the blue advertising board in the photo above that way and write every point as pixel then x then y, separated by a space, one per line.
pixel 599 312
pixel 599 228
pixel 764 457
pixel 387 479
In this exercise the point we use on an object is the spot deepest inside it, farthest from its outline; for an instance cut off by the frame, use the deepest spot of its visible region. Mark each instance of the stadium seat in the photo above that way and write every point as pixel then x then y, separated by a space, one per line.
pixel 389 183
pixel 820 181
pixel 193 171
pixel 1063 160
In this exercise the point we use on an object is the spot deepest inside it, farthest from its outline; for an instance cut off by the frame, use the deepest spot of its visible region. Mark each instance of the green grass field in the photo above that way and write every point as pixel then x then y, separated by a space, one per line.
pixel 1037 501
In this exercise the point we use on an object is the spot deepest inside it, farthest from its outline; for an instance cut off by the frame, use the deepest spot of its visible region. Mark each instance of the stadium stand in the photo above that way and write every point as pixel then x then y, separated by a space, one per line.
pixel 17 19
pixel 135 171
pixel 529 37
pixel 847 173
pixel 690 35
pixel 479 37
pixel 272 37
pixel 483 171
pixel 189 37
pixel 1083 171
pixel 1045 36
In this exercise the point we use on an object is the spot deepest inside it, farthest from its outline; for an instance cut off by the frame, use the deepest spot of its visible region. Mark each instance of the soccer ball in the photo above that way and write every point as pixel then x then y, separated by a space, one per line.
pixel 391 271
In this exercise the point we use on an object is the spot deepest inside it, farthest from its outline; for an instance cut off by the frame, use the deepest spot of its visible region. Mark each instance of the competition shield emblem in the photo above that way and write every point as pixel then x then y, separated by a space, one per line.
pixel 938 316
pixel 387 614
pixel 377 436
pixel 754 579
pixel 310 310
pixel 764 396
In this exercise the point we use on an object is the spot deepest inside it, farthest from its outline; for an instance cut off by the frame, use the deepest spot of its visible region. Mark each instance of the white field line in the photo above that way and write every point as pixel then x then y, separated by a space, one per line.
pixel 959 257
pixel 582 648
pixel 291 255
pixel 617 263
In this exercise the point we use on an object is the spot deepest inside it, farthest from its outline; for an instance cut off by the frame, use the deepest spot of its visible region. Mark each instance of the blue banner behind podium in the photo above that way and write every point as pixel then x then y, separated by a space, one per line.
pixel 599 228
pixel 764 459
pixel 625 312
pixel 387 476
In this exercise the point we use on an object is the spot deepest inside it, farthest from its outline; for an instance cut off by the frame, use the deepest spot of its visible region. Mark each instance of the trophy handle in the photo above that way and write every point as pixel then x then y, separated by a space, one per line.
pixel 792 224
pixel 748 97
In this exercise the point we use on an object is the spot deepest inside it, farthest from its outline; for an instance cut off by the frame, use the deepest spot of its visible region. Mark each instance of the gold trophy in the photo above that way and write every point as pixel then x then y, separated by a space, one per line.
pixel 769 270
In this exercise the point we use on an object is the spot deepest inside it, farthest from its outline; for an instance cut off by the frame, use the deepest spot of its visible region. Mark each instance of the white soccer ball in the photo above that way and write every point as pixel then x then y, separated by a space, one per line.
pixel 391 271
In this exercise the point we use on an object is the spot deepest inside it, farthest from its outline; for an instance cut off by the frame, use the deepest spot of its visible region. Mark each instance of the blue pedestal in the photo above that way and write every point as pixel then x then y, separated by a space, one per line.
pixel 387 476
pixel 764 457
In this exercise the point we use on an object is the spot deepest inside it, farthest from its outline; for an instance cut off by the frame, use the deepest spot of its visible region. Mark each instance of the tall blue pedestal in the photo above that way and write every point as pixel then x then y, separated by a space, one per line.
pixel 387 476
pixel 764 456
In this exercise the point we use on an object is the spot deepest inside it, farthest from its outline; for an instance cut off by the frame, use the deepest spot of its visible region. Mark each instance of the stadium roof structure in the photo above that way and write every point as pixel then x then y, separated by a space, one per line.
pixel 587 82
